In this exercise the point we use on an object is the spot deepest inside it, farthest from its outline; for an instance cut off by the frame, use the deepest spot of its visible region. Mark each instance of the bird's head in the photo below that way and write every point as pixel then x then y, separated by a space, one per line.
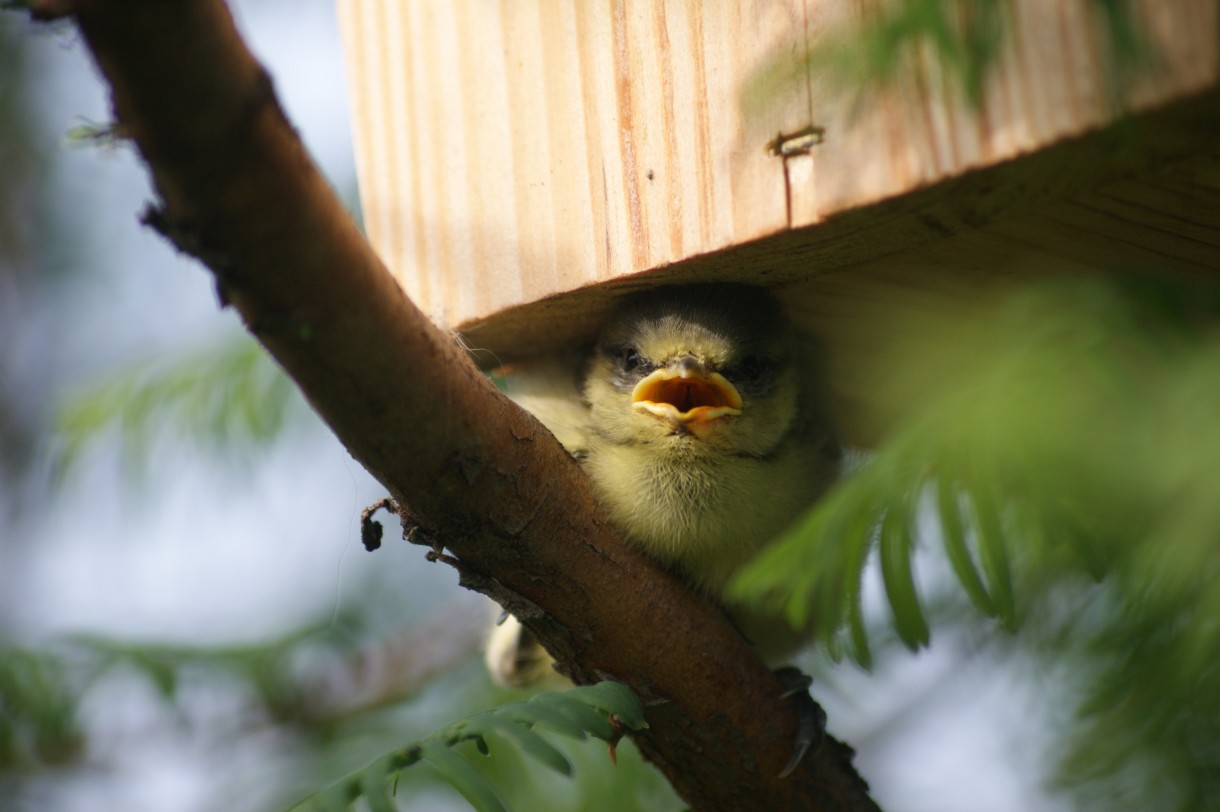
pixel 705 368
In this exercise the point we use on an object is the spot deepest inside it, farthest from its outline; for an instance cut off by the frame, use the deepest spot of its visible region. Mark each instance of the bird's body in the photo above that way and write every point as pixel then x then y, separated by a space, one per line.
pixel 699 418
pixel 705 514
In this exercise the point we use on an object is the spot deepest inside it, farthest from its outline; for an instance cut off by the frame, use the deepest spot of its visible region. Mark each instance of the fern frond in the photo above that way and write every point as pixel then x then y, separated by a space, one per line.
pixel 953 536
pixel 1019 452
pixel 896 545
pixel 603 711
pixel 1072 459
pixel 228 397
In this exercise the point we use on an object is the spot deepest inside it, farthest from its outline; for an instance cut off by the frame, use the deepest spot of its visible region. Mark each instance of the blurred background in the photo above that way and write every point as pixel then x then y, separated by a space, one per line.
pixel 187 618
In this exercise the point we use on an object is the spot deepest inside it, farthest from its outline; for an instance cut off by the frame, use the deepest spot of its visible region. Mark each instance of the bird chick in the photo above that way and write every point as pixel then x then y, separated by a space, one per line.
pixel 700 419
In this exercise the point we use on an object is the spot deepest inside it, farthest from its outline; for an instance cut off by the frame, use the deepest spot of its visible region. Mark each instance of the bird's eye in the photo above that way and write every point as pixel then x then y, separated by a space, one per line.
pixel 752 367
pixel 754 370
pixel 629 359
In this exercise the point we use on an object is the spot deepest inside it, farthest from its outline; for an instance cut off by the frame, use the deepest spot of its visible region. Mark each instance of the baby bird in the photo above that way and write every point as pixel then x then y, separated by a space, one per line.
pixel 701 421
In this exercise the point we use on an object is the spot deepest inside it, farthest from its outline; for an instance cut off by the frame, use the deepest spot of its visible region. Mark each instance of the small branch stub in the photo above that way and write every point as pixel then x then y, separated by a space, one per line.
pixel 371 530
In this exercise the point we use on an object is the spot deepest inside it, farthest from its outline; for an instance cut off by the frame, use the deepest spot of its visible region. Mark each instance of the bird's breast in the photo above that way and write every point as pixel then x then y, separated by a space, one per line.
pixel 705 514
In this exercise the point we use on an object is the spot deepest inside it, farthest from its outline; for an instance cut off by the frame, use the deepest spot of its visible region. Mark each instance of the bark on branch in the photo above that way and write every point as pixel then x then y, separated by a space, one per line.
pixel 479 475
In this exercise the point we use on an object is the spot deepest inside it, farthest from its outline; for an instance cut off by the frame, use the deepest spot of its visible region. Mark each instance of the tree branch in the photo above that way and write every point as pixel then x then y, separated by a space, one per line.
pixel 480 476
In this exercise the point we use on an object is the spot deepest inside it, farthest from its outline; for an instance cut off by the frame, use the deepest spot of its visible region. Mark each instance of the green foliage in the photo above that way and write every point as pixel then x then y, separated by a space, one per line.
pixel 1069 465
pixel 49 697
pixel 1069 455
pixel 93 134
pixel 38 723
pixel 266 669
pixel 42 690
pixel 603 711
pixel 888 47
pixel 225 398
pixel 1129 53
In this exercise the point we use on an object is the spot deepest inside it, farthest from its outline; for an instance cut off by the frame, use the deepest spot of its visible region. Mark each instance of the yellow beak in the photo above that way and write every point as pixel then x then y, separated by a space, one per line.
pixel 684 396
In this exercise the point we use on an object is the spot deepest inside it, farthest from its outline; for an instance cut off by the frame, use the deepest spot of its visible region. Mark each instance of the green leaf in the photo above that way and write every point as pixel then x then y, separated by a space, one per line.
pixel 856 545
pixel 953 537
pixel 859 635
pixel 162 673
pixel 896 553
pixel 464 778
pixel 335 799
pixel 993 553
pixel 581 714
pixel 822 598
pixel 544 715
pixel 614 698
pixel 526 740
pixel 577 712
pixel 373 785
pixel 93 134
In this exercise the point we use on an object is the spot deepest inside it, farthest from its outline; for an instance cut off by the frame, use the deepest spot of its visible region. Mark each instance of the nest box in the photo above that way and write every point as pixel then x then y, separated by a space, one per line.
pixel 521 162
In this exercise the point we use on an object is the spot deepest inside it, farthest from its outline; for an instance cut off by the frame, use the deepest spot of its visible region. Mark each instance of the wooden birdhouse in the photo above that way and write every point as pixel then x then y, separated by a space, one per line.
pixel 523 161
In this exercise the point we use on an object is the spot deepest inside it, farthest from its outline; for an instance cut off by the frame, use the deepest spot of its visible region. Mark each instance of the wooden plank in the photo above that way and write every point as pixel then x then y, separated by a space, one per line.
pixel 512 150
pixel 1171 156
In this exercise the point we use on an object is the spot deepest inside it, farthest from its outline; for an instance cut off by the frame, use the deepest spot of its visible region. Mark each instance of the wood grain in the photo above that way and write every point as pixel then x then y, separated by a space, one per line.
pixel 512 150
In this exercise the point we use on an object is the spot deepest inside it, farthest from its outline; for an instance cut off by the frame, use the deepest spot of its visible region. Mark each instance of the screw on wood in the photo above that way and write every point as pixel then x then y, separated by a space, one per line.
pixel 797 143
pixel 790 145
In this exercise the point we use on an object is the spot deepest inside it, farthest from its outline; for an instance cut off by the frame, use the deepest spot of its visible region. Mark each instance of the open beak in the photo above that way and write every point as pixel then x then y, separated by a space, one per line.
pixel 685 395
